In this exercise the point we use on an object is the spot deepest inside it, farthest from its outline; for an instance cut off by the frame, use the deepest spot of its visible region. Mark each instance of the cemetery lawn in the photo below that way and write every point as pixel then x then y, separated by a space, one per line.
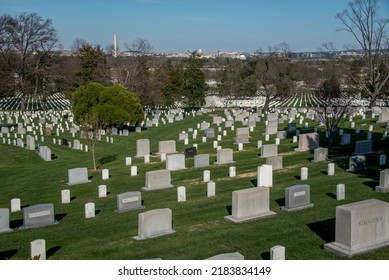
pixel 201 231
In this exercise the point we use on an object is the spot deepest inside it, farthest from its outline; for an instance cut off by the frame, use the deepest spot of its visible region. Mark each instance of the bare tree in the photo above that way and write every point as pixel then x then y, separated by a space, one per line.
pixel 26 43
pixel 362 21
pixel 78 44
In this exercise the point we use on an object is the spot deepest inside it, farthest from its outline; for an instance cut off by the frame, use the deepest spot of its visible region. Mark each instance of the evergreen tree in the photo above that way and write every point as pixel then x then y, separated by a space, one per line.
pixel 194 82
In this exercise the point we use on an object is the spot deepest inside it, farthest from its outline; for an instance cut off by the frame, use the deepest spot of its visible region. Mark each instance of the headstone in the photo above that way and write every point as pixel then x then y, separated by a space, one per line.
pixel 134 170
pixel 30 143
pixel 360 227
pixel 65 196
pixel 211 189
pixel 250 204
pixel 209 132
pixel 15 205
pixel 154 223
pixel 102 191
pixel 201 160
pixel 157 179
pixel 297 197
pixel 38 249
pixel 167 147
pixel 78 176
pixel 181 194
pixel 190 152
pixel 105 174
pixel 228 256
pixel 38 215
pixel 304 173
pixel 340 191
pixel 175 162
pixel 307 142
pixel 331 169
pixel 224 156
pixel 129 201
pixel 277 252
pixel 76 144
pixel 232 171
pixel 269 150
pixel 384 181
pixel 265 176
pixel 383 159
pixel 4 221
pixel 90 210
pixel 128 161
pixel 357 163
pixel 275 162
pixel 272 127
pixel 363 147
pixel 384 115
pixel 320 154
pixel 242 135
pixel 146 159
pixel 345 139
pixel 206 175
pixel 142 147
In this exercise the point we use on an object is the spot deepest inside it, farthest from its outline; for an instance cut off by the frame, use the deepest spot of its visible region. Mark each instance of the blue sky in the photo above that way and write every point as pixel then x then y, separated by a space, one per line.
pixel 182 25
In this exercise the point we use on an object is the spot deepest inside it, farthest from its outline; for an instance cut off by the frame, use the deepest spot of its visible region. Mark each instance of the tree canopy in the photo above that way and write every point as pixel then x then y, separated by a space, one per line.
pixel 194 89
pixel 113 105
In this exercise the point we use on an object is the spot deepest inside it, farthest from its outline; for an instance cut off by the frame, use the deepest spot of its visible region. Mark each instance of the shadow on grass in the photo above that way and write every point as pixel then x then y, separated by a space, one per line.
pixel 73 198
pixel 6 255
pixel 59 217
pixel 280 201
pixel 331 195
pixel 106 159
pixel 254 182
pixel 50 252
pixel 371 184
pixel 324 229
pixel 16 223
pixel 229 209
pixel 265 255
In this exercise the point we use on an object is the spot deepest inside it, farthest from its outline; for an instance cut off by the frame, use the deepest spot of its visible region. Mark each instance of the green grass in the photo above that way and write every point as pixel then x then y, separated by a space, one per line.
pixel 201 230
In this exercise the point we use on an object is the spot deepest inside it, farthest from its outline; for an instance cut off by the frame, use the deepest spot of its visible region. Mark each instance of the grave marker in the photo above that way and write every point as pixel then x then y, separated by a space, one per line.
pixel 297 197
pixel 154 223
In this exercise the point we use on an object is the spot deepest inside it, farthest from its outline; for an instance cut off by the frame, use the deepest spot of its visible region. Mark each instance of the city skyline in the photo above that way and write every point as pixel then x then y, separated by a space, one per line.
pixel 173 26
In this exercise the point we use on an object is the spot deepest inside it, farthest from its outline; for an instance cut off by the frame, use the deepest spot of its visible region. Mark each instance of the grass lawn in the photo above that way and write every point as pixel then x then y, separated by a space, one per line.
pixel 201 230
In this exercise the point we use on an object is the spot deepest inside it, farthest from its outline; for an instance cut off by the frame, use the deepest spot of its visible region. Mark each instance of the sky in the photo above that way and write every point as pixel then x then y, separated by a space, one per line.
pixel 173 26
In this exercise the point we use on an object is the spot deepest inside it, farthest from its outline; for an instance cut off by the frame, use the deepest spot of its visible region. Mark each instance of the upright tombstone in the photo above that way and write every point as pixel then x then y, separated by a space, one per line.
pixel 363 147
pixel 134 170
pixel 201 160
pixel 304 173
pixel 269 150
pixel 384 115
pixel 157 179
pixel 340 191
pixel 297 197
pixel 307 142
pixel 232 171
pixel 224 156
pixel 175 162
pixel 167 147
pixel 105 174
pixel 320 154
pixel 242 135
pixel 384 182
pixel 65 196
pixel 272 127
pixel 331 169
pixel 345 139
pixel 76 144
pixel 102 191
pixel 277 252
pixel 211 189
pixel 357 163
pixel 275 161
pixel 206 176
pixel 142 147
pixel 128 161
pixel 154 223
pixel 360 227
pixel 209 132
pixel 30 143
pixel 90 210
pixel 4 221
pixel 38 249
pixel 15 205
pixel 190 152
pixel 129 201
pixel 181 194
pixel 265 176
pixel 78 176
pixel 38 215
pixel 250 204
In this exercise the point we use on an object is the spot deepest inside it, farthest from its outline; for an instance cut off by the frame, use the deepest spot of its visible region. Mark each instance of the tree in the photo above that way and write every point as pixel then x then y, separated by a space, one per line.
pixel 194 90
pixel 362 21
pixel 273 74
pixel 26 44
pixel 91 126
pixel 92 65
pixel 85 98
pixel 334 108
pixel 174 84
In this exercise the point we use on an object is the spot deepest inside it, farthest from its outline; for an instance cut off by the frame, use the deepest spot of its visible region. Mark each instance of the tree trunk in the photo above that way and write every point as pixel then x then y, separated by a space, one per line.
pixel 93 157
pixel 267 103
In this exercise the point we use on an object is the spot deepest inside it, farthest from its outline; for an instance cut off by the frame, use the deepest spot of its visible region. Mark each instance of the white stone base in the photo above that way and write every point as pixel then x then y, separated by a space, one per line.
pixel 347 251
pixel 235 220
pixel 159 188
pixel 297 208
pixel 217 163
pixel 153 236
pixel 381 189
pixel 78 183
pixel 137 208
pixel 6 230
